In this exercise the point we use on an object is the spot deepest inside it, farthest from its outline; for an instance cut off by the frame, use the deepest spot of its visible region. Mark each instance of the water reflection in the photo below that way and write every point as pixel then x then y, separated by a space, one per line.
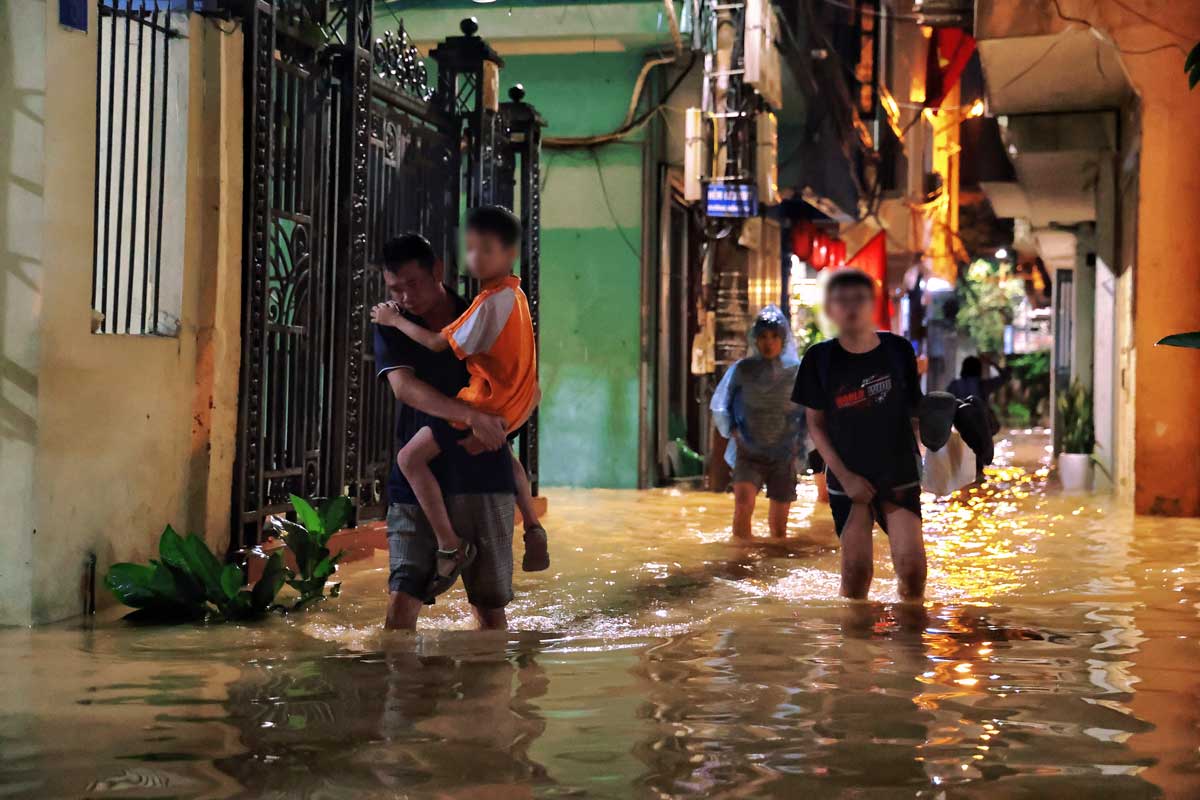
pixel 423 714
pixel 1056 657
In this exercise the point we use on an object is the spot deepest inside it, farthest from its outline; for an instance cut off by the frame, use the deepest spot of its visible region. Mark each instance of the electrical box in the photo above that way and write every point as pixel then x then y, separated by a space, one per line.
pixel 766 158
pixel 693 155
pixel 761 59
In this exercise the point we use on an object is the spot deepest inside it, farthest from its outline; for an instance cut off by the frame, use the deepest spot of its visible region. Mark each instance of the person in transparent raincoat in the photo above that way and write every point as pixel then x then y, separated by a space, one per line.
pixel 753 408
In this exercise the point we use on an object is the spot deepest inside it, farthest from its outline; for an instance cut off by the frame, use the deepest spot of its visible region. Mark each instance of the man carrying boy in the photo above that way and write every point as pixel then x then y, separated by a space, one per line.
pixel 494 339
pixel 478 488
pixel 861 391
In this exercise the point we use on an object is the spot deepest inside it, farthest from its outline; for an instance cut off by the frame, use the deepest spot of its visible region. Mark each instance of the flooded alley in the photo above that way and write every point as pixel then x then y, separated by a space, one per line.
pixel 1056 656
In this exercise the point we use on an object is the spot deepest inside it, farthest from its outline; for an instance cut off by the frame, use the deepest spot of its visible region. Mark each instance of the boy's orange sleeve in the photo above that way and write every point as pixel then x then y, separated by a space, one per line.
pixel 477 330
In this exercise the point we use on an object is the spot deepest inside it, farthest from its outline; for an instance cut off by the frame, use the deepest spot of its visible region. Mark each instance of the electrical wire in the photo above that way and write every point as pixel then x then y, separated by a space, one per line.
pixel 608 202
pixel 1031 66
pixel 1112 40
pixel 1150 20
pixel 916 19
pixel 564 142
pixel 845 121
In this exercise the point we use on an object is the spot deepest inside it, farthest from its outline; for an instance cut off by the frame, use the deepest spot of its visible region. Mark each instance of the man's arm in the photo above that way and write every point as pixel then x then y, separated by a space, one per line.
pixel 474 446
pixel 414 392
pixel 995 383
pixel 857 487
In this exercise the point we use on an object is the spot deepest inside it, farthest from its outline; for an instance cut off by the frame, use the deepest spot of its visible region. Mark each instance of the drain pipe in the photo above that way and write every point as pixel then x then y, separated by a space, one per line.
pixel 88 587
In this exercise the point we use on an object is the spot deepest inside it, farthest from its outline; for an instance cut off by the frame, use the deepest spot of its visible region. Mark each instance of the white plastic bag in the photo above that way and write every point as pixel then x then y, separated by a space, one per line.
pixel 949 469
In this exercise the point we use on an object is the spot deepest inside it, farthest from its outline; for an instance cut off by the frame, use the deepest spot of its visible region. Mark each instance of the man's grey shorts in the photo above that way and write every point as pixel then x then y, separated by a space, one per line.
pixel 779 476
pixel 485 519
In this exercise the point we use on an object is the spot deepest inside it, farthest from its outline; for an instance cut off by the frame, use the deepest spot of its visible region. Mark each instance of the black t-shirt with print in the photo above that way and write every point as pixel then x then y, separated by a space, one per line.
pixel 869 400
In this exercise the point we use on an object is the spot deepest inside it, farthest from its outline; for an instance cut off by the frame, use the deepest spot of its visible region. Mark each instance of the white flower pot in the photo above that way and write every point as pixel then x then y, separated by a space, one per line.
pixel 1075 471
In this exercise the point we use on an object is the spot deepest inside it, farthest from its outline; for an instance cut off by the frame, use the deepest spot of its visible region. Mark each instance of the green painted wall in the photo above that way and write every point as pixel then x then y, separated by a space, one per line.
pixel 591 269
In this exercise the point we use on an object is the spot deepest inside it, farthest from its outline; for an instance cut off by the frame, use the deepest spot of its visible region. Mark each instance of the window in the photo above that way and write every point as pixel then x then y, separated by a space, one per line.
pixel 141 167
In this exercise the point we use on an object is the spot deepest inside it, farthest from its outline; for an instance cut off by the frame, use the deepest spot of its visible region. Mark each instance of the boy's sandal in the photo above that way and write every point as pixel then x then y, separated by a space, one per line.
pixel 537 551
pixel 461 558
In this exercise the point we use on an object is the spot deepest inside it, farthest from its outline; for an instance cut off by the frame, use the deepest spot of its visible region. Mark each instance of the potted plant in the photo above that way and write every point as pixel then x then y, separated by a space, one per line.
pixel 1077 437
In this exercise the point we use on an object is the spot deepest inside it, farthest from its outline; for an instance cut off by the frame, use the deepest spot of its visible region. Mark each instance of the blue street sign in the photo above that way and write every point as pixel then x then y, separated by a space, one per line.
pixel 731 200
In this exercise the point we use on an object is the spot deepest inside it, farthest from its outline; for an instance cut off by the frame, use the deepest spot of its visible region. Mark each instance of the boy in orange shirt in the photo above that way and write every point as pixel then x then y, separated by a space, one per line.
pixel 494 337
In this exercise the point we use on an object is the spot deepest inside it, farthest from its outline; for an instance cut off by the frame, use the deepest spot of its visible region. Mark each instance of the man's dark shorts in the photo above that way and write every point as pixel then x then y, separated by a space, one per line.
pixel 778 475
pixel 906 497
pixel 485 519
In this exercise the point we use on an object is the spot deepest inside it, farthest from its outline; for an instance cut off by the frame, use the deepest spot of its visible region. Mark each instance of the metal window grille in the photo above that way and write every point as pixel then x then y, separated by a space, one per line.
pixel 141 164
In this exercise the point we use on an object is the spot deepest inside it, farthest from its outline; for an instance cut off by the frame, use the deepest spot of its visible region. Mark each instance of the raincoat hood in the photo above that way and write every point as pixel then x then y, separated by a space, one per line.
pixel 754 398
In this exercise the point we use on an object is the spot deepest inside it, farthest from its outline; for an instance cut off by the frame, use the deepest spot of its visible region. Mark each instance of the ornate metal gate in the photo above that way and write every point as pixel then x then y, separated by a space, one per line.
pixel 346 145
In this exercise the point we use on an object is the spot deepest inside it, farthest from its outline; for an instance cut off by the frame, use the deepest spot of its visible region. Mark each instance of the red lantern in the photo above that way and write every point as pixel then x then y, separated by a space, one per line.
pixel 837 253
pixel 820 254
pixel 802 240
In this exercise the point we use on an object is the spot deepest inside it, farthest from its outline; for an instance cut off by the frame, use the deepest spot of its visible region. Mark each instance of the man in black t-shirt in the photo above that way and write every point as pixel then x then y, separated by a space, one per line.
pixel 861 391
pixel 478 489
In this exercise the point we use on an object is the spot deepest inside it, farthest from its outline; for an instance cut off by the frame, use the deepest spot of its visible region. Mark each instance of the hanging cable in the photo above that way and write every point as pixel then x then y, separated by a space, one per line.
pixel 629 126
pixel 1105 35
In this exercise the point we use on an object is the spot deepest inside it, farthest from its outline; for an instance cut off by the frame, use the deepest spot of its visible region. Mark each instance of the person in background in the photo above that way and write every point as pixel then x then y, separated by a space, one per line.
pixel 861 391
pixel 752 407
pixel 970 380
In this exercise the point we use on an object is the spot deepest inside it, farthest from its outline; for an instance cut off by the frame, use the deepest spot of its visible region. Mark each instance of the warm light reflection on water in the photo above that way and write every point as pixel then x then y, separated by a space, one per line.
pixel 1056 657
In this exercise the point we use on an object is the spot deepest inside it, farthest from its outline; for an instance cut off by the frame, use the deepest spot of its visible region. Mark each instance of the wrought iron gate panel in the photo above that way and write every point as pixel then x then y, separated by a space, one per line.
pixel 524 129
pixel 412 163
pixel 248 476
pixel 353 68
pixel 346 146
pixel 285 381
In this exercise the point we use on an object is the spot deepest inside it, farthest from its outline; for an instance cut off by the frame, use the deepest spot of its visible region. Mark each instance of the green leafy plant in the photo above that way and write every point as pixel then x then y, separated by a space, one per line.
pixel 1077 434
pixel 308 539
pixel 986 303
pixel 1019 415
pixel 1031 387
pixel 808 328
pixel 1190 339
pixel 188 582
pixel 1033 366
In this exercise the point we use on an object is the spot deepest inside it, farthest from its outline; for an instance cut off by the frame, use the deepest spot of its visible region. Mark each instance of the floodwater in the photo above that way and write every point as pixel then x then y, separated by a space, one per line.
pixel 1056 657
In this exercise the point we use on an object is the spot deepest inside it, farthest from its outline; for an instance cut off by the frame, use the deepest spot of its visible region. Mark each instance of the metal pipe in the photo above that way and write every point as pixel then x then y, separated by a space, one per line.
pixel 150 160
pixel 121 177
pixel 162 165
pixel 96 178
pixel 108 162
pixel 134 187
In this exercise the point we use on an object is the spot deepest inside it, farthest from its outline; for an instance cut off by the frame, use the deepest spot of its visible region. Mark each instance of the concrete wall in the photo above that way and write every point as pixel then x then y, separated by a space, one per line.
pixel 22 91
pixel 591 269
pixel 1167 279
pixel 132 432
pixel 1158 187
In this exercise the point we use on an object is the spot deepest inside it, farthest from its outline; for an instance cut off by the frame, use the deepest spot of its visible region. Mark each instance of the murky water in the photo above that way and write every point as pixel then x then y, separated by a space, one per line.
pixel 1057 657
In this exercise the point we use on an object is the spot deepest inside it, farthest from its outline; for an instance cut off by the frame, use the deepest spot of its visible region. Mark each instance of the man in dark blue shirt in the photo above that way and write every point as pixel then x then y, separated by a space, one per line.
pixel 477 485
